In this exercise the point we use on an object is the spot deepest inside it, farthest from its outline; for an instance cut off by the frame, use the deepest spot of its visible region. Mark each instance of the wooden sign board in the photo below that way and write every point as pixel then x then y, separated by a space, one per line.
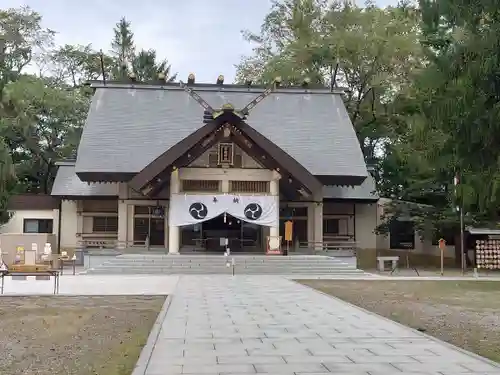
pixel 288 230
pixel 273 245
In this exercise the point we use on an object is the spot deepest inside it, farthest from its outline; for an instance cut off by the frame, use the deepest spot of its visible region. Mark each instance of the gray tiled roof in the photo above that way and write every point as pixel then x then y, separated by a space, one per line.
pixel 68 184
pixel 127 127
pixel 365 191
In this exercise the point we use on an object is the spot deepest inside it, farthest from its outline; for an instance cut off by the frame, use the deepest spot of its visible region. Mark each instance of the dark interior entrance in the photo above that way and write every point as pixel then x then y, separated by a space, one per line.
pixel 208 236
pixel 223 226
pixel 152 228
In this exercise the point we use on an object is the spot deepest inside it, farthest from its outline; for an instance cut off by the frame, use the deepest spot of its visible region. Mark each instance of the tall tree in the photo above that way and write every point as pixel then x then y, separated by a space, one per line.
pixel 459 95
pixel 146 67
pixel 40 117
pixel 144 64
pixel 21 37
pixel 370 51
pixel 456 98
pixel 43 126
pixel 75 65
pixel 7 180
pixel 122 47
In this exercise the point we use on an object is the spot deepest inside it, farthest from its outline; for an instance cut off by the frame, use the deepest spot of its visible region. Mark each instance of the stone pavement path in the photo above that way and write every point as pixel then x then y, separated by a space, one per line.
pixel 266 324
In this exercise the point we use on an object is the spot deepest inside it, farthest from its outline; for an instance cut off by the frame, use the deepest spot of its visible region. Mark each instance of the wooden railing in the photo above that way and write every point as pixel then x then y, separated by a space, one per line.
pixel 98 243
pixel 109 244
pixel 337 245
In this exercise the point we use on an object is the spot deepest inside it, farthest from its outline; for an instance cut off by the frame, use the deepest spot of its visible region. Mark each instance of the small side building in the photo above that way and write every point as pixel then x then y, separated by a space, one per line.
pixel 34 220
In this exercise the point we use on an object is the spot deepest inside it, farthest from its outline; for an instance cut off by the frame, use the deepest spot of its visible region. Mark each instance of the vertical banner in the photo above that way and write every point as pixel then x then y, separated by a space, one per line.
pixel 289 231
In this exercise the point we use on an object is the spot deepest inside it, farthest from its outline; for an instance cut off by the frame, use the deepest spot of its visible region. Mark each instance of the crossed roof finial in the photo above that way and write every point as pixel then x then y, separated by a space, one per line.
pixel 228 106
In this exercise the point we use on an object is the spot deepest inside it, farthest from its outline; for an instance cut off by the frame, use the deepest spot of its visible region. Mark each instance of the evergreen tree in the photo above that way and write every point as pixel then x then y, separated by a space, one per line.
pixel 122 48
pixel 144 64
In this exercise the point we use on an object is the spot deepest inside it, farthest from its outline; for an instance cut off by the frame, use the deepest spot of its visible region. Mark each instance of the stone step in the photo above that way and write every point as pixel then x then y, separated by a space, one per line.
pixel 212 265
pixel 278 258
pixel 240 265
pixel 223 261
pixel 223 268
pixel 219 259
pixel 270 269
pixel 201 260
pixel 104 271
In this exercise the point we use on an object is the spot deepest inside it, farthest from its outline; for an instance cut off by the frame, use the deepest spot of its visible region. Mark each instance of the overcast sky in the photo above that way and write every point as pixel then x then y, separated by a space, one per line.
pixel 199 36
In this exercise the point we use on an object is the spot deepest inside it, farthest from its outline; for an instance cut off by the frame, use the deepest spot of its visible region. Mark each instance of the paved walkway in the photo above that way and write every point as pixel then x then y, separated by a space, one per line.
pixel 95 285
pixel 248 325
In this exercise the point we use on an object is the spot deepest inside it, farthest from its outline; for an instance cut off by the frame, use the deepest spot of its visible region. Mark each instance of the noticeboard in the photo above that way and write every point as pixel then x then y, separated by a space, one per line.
pixel 288 230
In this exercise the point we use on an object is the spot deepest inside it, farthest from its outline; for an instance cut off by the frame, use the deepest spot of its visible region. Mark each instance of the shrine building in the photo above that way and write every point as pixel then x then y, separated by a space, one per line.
pixel 179 166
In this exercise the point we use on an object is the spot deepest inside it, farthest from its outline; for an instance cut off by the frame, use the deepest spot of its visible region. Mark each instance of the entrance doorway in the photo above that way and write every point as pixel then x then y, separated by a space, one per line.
pixel 223 226
pixel 206 236
pixel 152 228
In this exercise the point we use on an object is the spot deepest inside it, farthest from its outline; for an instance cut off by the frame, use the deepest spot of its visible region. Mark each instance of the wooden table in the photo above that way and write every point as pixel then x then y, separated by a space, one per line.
pixel 49 273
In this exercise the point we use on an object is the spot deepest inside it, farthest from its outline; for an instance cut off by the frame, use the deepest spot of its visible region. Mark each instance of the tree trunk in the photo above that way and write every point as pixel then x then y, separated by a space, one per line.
pixel 458 250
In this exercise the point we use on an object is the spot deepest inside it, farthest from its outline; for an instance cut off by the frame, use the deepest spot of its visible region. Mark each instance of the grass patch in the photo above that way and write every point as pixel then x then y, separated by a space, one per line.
pixel 463 313
pixel 74 335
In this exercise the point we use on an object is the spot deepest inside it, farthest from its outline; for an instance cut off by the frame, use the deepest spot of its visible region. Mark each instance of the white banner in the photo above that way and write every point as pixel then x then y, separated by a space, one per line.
pixel 192 209
pixel 259 209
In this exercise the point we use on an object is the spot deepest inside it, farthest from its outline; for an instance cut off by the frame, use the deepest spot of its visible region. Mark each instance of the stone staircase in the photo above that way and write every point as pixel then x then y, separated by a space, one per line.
pixel 217 265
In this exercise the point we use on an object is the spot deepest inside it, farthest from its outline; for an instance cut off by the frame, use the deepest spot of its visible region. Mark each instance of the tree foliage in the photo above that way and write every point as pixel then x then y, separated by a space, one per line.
pixel 371 52
pixel 463 83
pixel 423 87
pixel 144 63
pixel 42 114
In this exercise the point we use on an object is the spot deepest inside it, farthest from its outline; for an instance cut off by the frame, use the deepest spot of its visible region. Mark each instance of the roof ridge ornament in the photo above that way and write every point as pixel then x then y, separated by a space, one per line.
pixel 226 107
pixel 244 112
pixel 211 114
pixel 208 108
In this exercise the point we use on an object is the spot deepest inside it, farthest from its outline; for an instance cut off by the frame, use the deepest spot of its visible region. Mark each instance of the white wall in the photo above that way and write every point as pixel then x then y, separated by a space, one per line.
pixel 16 223
pixel 366 222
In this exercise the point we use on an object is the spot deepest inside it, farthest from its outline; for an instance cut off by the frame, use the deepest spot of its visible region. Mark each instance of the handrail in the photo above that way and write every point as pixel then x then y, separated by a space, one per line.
pixel 329 246
pixel 109 243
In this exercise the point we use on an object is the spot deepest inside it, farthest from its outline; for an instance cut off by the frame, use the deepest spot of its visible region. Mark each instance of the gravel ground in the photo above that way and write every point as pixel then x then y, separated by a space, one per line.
pixel 463 313
pixel 74 335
